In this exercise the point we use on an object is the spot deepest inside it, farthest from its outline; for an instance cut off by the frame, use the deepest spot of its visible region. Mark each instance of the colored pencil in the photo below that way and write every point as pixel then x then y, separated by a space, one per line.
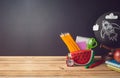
pixel 96 63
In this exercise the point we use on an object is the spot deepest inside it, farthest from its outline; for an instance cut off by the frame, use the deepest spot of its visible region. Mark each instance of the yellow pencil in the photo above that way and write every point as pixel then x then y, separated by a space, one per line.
pixel 70 43
pixel 70 48
pixel 73 42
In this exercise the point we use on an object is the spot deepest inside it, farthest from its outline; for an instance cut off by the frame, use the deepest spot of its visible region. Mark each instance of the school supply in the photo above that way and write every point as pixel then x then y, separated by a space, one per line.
pixel 97 63
pixel 86 43
pixel 113 63
pixel 81 57
pixel 70 43
pixel 113 68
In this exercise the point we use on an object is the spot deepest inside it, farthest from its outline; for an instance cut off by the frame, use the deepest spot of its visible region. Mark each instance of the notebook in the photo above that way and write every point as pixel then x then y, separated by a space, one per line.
pixel 113 68
pixel 113 63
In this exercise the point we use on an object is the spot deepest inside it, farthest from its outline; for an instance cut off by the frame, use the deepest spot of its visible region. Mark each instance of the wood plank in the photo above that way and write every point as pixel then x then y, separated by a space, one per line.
pixel 62 77
pixel 30 65
pixel 57 73
pixel 43 58
pixel 48 67
pixel 52 58
pixel 31 62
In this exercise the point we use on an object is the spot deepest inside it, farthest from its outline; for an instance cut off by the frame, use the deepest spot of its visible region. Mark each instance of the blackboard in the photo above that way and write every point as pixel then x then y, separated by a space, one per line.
pixel 32 27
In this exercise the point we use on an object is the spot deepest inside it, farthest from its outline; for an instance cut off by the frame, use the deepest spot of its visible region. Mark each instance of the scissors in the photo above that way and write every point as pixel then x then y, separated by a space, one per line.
pixel 92 43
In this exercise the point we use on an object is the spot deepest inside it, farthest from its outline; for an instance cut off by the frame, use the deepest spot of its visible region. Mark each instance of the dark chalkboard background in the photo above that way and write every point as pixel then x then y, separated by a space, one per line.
pixel 32 27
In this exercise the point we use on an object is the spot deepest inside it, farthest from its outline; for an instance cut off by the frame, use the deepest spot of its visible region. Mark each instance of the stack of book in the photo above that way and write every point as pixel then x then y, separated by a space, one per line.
pixel 112 64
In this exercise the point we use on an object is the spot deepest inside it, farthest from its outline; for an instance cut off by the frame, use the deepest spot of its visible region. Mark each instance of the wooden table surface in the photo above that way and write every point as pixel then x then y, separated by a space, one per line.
pixel 49 67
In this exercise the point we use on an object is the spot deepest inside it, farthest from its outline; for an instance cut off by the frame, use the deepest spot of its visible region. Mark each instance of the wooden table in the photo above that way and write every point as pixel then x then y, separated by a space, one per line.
pixel 49 67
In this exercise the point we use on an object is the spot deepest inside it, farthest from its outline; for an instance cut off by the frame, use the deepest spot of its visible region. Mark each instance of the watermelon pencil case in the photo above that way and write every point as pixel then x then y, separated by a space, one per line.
pixel 81 57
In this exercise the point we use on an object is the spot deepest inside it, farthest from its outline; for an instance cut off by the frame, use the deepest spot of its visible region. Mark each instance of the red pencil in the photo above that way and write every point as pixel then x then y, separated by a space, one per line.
pixel 97 63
